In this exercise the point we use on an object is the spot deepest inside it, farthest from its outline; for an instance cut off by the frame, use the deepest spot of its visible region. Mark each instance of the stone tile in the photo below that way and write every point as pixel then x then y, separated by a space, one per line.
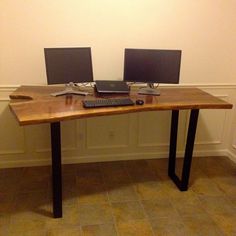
pixel 136 164
pixel 212 170
pixel 34 183
pixel 159 208
pixel 92 194
pixel 150 190
pixel 120 193
pixel 125 211
pixel 88 167
pixel 33 201
pixel 204 186
pixel 4 223
pixel 6 203
pixel 115 173
pixel 232 199
pixel 69 169
pixel 217 205
pixel 187 203
pixel 226 222
pixel 196 175
pixel 37 173
pixel 158 164
pixel 163 175
pixel 168 187
pixel 168 226
pixel 226 184
pixel 18 225
pixel 9 181
pixel 70 197
pixel 89 178
pixel 99 230
pixel 69 183
pixel 36 232
pixel 92 214
pixel 216 166
pixel 71 216
pixel 66 230
pixel 207 208
pixel 140 171
pixel 12 173
pixel 201 225
pixel 137 228
pixel 112 165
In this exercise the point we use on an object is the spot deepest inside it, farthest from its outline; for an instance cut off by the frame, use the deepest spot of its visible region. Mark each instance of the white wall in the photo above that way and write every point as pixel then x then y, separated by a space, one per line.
pixel 203 29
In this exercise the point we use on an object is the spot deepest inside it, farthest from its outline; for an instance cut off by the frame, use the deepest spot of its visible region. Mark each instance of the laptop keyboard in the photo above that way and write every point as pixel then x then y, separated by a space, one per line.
pixel 110 102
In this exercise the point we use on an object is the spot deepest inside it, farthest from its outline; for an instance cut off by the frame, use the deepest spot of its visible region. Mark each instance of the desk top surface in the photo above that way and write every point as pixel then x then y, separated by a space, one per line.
pixel 35 105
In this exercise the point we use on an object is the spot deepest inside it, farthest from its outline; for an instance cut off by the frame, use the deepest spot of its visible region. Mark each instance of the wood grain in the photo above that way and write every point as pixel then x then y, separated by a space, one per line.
pixel 35 105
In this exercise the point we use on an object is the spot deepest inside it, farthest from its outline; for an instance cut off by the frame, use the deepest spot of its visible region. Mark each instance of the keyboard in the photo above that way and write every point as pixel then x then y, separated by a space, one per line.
pixel 109 102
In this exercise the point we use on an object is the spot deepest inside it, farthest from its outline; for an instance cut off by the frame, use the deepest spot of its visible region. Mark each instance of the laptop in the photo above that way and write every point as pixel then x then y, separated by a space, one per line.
pixel 111 86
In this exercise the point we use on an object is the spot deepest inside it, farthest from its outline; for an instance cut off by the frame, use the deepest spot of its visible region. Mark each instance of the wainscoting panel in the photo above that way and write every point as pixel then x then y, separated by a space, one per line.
pixel 211 132
pixel 12 137
pixel 108 132
pixel 154 129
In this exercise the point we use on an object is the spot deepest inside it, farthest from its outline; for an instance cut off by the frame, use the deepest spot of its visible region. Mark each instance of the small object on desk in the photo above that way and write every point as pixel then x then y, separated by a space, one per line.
pixel 110 102
pixel 139 102
pixel 19 96
pixel 111 86
pixel 69 90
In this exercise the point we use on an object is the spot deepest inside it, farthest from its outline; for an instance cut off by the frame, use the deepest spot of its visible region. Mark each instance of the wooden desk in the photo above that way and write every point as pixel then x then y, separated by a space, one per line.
pixel 34 105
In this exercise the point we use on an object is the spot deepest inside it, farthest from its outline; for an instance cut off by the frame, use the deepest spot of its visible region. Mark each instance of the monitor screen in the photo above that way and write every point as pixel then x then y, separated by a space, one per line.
pixel 65 65
pixel 152 65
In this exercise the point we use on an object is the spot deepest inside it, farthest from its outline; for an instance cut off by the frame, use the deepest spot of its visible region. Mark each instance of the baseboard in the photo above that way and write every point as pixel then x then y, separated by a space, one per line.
pixel 203 153
pixel 24 163
pixel 84 159
pixel 113 157
pixel 231 156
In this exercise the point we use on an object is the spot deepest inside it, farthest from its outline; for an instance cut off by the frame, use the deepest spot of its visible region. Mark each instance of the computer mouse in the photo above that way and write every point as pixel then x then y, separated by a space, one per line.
pixel 139 102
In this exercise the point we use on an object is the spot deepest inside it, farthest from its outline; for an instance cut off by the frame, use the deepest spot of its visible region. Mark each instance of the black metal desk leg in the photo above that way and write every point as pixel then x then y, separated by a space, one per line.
pixel 189 148
pixel 56 169
pixel 173 142
pixel 182 183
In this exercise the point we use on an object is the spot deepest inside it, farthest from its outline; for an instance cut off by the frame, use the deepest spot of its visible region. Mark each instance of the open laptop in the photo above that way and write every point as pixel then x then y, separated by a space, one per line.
pixel 111 86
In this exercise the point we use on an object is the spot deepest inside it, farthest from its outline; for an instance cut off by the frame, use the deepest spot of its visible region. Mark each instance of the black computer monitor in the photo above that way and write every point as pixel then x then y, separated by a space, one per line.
pixel 152 66
pixel 68 65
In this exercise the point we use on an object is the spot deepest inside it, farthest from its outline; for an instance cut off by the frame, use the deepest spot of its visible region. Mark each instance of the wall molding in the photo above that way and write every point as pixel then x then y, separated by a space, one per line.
pixel 5 152
pixel 231 155
pixel 113 157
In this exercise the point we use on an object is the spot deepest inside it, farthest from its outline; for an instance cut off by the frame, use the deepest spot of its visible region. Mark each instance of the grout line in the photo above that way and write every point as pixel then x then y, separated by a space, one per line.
pixel 140 201
pixel 109 200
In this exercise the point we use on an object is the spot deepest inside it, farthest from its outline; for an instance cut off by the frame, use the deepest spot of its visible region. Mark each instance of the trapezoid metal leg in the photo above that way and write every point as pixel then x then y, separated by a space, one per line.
pixel 173 142
pixel 189 148
pixel 56 169
pixel 182 183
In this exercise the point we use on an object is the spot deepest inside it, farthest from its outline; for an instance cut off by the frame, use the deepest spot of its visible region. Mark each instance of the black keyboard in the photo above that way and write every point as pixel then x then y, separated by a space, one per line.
pixel 110 102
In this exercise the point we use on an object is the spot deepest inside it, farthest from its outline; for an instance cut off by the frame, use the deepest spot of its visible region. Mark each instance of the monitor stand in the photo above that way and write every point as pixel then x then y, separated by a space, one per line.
pixel 149 90
pixel 69 90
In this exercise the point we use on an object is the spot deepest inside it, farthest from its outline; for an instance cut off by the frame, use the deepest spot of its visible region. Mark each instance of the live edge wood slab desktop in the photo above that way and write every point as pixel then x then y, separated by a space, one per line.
pixel 34 105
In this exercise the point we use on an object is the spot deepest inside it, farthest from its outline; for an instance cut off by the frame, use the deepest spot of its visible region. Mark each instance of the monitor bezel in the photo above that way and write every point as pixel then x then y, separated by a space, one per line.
pixel 68 48
pixel 145 80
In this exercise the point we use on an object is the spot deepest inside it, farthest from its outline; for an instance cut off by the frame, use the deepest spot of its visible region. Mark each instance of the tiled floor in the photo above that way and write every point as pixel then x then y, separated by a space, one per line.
pixel 121 198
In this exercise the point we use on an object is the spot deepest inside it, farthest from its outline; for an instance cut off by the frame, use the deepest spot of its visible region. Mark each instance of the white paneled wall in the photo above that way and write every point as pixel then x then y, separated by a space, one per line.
pixel 130 136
